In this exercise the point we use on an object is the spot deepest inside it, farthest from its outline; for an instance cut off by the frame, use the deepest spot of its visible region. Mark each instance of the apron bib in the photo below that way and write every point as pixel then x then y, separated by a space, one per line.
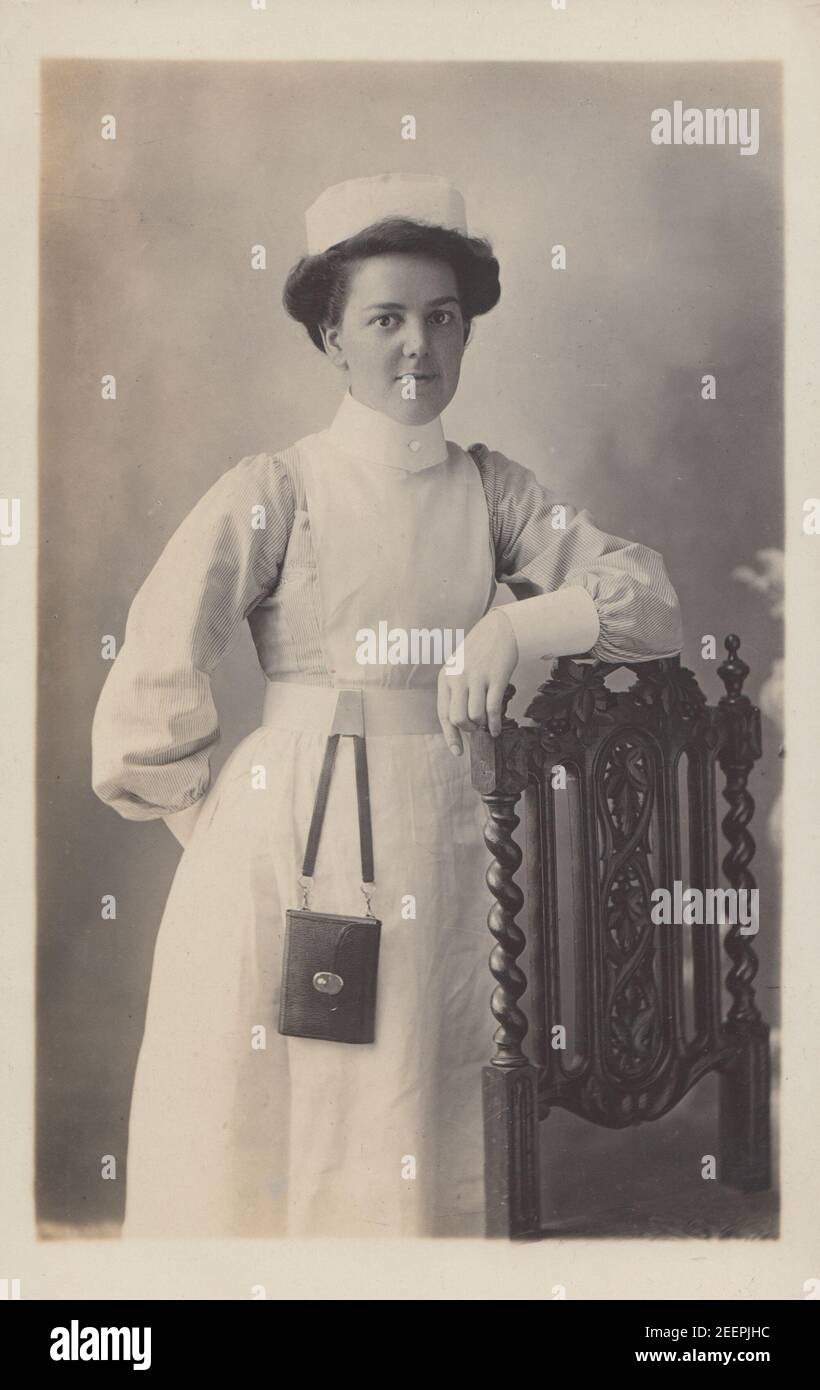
pixel 395 548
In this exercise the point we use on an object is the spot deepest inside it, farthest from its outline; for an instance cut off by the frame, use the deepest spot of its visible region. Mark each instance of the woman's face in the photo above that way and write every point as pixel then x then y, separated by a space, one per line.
pixel 402 318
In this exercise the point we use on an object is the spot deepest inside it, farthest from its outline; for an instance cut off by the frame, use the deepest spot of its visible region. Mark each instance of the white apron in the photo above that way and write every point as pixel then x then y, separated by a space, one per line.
pixel 235 1129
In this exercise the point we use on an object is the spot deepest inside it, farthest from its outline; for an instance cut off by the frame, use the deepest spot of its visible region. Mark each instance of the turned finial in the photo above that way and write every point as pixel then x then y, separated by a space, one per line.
pixel 733 671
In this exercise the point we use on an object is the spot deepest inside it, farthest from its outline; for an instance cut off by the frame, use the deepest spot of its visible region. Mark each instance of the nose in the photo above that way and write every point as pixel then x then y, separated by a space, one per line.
pixel 415 339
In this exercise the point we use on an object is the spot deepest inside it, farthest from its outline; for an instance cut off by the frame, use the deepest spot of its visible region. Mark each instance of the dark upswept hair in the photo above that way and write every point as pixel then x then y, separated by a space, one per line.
pixel 316 288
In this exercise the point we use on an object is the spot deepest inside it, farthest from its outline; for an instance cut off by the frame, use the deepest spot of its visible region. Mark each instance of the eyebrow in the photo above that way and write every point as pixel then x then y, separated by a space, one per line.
pixel 443 299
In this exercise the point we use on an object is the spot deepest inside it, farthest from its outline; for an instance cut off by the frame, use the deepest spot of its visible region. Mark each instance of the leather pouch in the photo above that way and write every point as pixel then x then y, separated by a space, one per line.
pixel 329 976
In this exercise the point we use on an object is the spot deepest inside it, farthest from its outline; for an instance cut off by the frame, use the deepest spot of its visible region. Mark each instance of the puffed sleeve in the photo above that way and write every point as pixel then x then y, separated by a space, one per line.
pixel 579 589
pixel 155 720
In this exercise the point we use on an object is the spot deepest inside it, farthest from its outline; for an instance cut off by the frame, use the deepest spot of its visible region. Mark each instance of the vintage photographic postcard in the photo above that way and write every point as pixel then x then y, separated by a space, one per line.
pixel 409 484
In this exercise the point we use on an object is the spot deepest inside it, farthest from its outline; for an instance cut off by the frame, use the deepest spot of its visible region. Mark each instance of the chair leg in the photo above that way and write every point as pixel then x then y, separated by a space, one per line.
pixel 511 1167
pixel 745 1084
pixel 745 1095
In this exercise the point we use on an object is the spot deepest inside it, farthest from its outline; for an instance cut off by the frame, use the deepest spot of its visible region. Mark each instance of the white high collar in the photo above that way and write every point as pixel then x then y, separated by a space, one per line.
pixel 378 438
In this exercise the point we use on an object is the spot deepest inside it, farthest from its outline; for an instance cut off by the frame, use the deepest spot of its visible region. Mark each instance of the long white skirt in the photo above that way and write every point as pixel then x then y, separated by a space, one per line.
pixel 237 1130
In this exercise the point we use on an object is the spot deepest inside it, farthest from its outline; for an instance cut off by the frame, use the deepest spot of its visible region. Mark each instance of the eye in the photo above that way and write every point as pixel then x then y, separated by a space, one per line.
pixel 448 314
pixel 381 318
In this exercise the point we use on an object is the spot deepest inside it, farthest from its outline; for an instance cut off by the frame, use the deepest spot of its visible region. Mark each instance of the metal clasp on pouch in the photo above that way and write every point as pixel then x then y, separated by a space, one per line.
pixel 327 982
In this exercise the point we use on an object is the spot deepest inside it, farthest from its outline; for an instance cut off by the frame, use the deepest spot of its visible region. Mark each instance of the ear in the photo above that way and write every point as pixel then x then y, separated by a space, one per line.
pixel 333 346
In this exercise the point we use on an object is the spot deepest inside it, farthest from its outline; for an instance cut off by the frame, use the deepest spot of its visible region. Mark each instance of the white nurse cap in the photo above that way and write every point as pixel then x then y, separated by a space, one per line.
pixel 346 208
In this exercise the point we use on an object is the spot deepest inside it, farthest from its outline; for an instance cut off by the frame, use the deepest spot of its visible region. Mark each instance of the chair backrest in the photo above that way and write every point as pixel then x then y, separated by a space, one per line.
pixel 628 818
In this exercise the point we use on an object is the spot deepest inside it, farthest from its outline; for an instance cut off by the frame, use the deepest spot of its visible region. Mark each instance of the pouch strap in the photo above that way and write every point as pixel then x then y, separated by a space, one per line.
pixel 362 798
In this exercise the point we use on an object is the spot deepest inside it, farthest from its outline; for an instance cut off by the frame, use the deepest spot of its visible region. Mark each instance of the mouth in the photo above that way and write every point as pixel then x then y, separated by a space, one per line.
pixel 418 376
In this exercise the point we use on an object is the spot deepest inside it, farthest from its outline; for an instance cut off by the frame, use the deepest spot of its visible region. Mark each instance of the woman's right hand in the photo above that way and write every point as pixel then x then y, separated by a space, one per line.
pixel 473 698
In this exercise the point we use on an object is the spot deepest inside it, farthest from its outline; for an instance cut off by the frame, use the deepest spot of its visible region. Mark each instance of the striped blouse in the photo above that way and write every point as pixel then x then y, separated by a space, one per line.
pixel 156 721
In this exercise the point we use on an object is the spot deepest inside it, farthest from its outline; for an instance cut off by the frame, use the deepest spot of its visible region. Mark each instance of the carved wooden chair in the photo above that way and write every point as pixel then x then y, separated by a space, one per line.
pixel 628 810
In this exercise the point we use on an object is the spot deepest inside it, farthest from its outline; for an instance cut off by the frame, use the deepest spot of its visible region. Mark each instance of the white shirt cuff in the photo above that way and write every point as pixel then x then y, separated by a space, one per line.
pixel 563 623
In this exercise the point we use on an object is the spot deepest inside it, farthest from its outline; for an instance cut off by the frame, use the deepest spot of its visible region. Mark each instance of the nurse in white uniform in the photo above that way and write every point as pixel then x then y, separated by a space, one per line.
pixel 375 519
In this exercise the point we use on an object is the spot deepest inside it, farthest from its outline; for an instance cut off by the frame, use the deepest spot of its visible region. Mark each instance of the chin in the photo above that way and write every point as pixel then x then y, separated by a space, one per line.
pixel 430 402
pixel 417 412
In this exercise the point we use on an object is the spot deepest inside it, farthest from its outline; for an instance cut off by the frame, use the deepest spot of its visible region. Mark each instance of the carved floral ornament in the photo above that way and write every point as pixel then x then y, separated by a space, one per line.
pixel 577 700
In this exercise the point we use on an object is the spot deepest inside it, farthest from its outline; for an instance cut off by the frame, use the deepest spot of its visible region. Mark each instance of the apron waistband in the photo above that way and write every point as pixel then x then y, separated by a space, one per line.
pixel 372 711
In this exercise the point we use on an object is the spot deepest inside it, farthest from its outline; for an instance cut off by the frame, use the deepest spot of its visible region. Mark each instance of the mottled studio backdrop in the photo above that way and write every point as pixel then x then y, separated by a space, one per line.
pixel 590 376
